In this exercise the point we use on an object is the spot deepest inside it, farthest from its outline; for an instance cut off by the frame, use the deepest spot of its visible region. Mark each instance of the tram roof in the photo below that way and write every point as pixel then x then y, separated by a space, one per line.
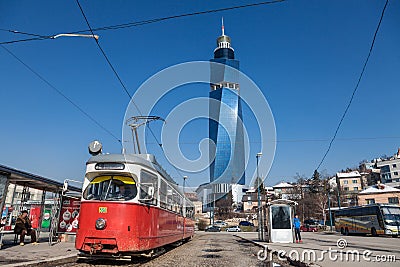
pixel 23 178
pixel 147 160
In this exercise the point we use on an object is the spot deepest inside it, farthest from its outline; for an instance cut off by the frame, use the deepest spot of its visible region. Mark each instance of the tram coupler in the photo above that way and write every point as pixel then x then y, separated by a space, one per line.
pixel 95 248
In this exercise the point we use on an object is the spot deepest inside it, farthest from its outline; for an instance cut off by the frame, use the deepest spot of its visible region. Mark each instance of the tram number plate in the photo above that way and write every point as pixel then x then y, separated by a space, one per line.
pixel 102 209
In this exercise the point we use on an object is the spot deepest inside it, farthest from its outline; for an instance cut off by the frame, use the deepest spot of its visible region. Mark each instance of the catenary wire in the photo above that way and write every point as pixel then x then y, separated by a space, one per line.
pixel 303 140
pixel 140 23
pixel 123 85
pixel 355 88
pixel 112 67
pixel 62 94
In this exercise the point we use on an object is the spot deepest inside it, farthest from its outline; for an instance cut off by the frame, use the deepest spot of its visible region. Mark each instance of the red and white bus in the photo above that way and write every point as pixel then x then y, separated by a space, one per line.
pixel 130 206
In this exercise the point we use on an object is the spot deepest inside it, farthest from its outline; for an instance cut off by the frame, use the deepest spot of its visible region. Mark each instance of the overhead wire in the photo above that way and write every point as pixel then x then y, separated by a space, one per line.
pixel 121 82
pixel 102 51
pixel 355 88
pixel 303 140
pixel 115 27
pixel 61 94
pixel 24 33
pixel 140 23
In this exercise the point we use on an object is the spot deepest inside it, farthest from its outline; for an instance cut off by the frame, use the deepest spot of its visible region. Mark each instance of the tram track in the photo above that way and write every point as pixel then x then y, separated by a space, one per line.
pixel 205 249
pixel 74 262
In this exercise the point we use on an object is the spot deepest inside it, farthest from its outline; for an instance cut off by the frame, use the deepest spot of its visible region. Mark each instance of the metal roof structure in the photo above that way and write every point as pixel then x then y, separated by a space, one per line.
pixel 23 178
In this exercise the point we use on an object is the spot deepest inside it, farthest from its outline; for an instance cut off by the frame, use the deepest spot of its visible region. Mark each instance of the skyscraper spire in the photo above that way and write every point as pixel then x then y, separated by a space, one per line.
pixel 224 41
pixel 223 28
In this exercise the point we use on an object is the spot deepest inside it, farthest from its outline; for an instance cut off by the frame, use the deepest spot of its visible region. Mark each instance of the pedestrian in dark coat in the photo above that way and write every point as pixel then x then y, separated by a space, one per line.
pixel 23 227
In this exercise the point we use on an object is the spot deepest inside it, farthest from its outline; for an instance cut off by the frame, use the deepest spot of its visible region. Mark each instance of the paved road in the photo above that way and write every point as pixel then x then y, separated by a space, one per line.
pixel 206 249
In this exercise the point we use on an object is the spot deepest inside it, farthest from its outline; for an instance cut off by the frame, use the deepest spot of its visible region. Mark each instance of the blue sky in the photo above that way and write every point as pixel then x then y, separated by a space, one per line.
pixel 305 56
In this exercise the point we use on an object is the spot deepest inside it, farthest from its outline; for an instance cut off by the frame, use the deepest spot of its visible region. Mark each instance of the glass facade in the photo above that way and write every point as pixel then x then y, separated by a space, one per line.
pixel 227 129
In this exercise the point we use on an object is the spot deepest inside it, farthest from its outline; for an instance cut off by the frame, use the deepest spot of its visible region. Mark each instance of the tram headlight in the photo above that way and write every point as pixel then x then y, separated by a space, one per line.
pixel 100 224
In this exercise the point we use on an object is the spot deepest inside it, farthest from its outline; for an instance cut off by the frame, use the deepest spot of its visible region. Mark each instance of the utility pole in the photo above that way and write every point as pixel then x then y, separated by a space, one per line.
pixel 259 215
pixel 184 196
pixel 329 206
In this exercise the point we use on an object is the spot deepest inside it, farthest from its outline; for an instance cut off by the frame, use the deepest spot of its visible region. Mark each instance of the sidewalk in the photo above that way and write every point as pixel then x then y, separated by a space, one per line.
pixel 15 255
pixel 320 242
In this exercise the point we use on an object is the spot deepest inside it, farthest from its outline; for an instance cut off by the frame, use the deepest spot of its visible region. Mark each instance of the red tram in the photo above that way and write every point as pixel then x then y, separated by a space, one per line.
pixel 130 206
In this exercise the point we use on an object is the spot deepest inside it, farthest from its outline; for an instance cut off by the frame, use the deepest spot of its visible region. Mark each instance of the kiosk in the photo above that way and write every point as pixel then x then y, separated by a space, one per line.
pixel 280 214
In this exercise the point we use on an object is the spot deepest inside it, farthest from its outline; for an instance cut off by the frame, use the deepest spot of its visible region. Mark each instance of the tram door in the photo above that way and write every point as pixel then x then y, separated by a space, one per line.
pixel 281 226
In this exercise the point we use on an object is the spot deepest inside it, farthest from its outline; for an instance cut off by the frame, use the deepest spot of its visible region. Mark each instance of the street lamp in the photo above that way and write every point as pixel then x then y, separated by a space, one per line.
pixel 184 197
pixel 184 183
pixel 329 206
pixel 260 227
pixel 74 35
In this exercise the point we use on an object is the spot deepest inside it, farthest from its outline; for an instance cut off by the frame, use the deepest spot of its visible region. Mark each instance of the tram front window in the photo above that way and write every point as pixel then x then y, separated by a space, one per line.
pixel 111 188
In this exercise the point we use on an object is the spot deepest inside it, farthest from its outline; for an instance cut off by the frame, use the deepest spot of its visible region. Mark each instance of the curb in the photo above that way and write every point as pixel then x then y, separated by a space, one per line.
pixel 275 252
pixel 59 260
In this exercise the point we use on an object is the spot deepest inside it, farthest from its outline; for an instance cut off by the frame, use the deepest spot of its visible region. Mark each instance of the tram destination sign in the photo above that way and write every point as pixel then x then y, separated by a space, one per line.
pixel 109 166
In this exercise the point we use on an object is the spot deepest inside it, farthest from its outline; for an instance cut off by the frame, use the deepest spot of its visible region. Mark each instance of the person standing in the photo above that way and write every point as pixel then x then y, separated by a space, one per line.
pixel 297 224
pixel 23 227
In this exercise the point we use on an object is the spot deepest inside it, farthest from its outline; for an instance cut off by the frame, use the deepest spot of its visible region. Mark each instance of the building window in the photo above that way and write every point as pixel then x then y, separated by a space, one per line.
pixel 393 200
pixel 355 181
pixel 346 189
pixel 345 182
pixel 396 173
pixel 249 202
pixel 394 165
pixel 355 188
pixel 370 200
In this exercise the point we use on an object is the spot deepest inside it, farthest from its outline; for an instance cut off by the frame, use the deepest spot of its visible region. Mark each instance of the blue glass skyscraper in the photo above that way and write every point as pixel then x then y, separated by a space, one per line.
pixel 225 125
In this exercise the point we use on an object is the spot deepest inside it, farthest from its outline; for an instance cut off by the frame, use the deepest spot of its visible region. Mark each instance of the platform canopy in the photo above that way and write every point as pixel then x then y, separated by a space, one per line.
pixel 33 181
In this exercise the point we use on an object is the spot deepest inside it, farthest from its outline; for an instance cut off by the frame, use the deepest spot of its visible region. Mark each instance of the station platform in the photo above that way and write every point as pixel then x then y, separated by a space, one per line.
pixel 13 255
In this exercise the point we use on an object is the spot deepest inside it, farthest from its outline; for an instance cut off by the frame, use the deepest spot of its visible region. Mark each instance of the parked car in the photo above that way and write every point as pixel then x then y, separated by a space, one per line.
pixel 309 228
pixel 310 225
pixel 246 223
pixel 220 223
pixel 311 222
pixel 212 228
pixel 233 229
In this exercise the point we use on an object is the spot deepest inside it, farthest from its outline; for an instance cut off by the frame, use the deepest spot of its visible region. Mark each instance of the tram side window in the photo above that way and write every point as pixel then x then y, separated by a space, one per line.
pixel 180 204
pixel 148 180
pixel 189 211
pixel 163 194
pixel 169 198
pixel 177 203
pixel 174 202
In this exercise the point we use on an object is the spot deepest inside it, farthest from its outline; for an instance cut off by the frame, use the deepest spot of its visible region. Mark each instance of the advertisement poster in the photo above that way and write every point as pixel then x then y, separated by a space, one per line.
pixel 46 218
pixel 3 189
pixel 34 216
pixel 69 214
pixel 4 213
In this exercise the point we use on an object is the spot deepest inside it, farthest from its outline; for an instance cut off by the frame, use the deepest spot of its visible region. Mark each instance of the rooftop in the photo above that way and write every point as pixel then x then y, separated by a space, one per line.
pixel 348 174
pixel 379 188
pixel 283 185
